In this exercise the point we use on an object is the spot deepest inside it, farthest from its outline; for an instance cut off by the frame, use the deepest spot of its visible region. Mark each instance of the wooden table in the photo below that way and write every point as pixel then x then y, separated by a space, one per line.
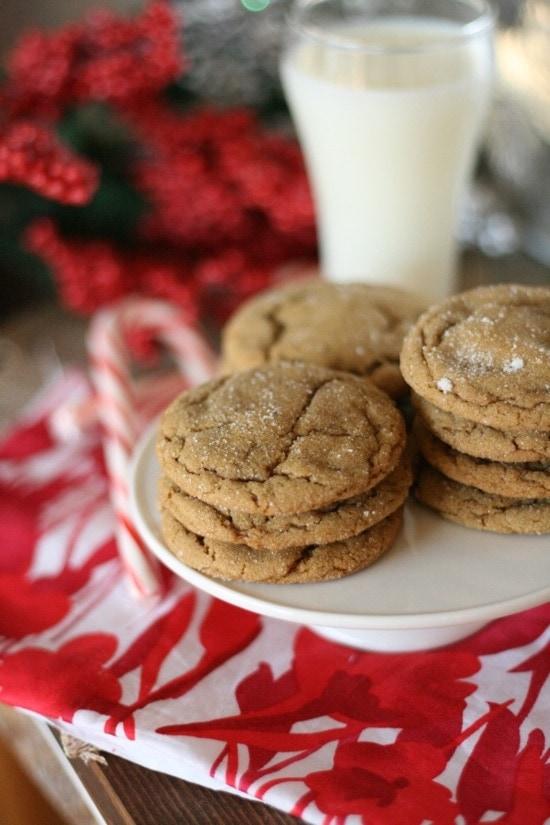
pixel 115 791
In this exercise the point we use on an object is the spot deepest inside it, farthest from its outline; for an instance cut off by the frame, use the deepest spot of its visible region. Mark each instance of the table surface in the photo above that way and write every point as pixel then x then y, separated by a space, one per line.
pixel 114 791
pixel 32 345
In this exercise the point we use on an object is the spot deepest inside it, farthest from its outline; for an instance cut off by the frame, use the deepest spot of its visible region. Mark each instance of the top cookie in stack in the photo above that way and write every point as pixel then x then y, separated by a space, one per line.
pixel 287 473
pixel 479 365
pixel 358 328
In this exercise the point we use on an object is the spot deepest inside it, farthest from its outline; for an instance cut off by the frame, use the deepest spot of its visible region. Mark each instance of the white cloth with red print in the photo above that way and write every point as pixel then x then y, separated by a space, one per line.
pixel 197 688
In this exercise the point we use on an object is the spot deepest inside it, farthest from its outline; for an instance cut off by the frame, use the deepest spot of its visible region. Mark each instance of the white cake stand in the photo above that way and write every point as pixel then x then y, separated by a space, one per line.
pixel 439 583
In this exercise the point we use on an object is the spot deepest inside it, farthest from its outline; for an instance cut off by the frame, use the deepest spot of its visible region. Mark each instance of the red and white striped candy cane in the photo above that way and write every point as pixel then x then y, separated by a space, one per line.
pixel 117 407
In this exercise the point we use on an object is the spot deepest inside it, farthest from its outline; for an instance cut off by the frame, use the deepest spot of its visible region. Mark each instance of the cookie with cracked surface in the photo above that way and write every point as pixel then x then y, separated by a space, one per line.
pixel 482 441
pixel 312 563
pixel 334 523
pixel 519 480
pixel 483 511
pixel 287 438
pixel 484 355
pixel 354 327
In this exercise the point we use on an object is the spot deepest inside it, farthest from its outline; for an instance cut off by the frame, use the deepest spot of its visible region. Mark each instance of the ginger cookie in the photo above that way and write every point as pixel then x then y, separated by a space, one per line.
pixel 312 563
pixel 484 511
pixel 287 438
pixel 482 441
pixel 519 480
pixel 358 328
pixel 484 355
pixel 340 520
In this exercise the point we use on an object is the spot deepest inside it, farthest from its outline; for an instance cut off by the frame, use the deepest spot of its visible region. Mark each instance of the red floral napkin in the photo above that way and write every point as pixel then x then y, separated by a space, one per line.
pixel 200 689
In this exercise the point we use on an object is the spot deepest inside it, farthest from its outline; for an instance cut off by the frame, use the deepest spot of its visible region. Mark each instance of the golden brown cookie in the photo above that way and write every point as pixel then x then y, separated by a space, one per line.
pixel 483 511
pixel 287 438
pixel 481 441
pixel 484 355
pixel 354 327
pixel 339 521
pixel 519 480
pixel 312 563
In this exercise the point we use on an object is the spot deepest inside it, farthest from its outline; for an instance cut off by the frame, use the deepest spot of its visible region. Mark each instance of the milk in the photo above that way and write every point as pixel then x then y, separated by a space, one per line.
pixel 389 138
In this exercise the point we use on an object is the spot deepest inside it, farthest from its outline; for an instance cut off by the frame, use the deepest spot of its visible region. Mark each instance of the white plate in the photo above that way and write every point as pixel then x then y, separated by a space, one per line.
pixel 439 583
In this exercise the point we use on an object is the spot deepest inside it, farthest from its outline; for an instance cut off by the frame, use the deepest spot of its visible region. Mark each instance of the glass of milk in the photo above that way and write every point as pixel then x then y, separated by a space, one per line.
pixel 389 98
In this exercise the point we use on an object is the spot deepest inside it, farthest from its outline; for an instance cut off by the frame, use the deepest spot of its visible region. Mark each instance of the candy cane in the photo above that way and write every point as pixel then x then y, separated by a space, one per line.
pixel 117 407
pixel 152 393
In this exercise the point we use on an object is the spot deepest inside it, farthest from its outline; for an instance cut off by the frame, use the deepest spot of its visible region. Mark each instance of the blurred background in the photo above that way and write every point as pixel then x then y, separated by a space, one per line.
pixel 230 50
pixel 16 17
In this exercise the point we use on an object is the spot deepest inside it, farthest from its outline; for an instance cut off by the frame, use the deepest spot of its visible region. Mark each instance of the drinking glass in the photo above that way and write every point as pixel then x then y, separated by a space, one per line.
pixel 389 99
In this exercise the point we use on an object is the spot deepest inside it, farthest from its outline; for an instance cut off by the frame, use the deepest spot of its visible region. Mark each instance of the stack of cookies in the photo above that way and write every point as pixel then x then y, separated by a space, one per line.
pixel 286 473
pixel 358 328
pixel 479 366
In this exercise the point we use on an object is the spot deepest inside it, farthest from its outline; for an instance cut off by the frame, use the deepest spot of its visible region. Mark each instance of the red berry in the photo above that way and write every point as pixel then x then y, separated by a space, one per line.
pixel 31 154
